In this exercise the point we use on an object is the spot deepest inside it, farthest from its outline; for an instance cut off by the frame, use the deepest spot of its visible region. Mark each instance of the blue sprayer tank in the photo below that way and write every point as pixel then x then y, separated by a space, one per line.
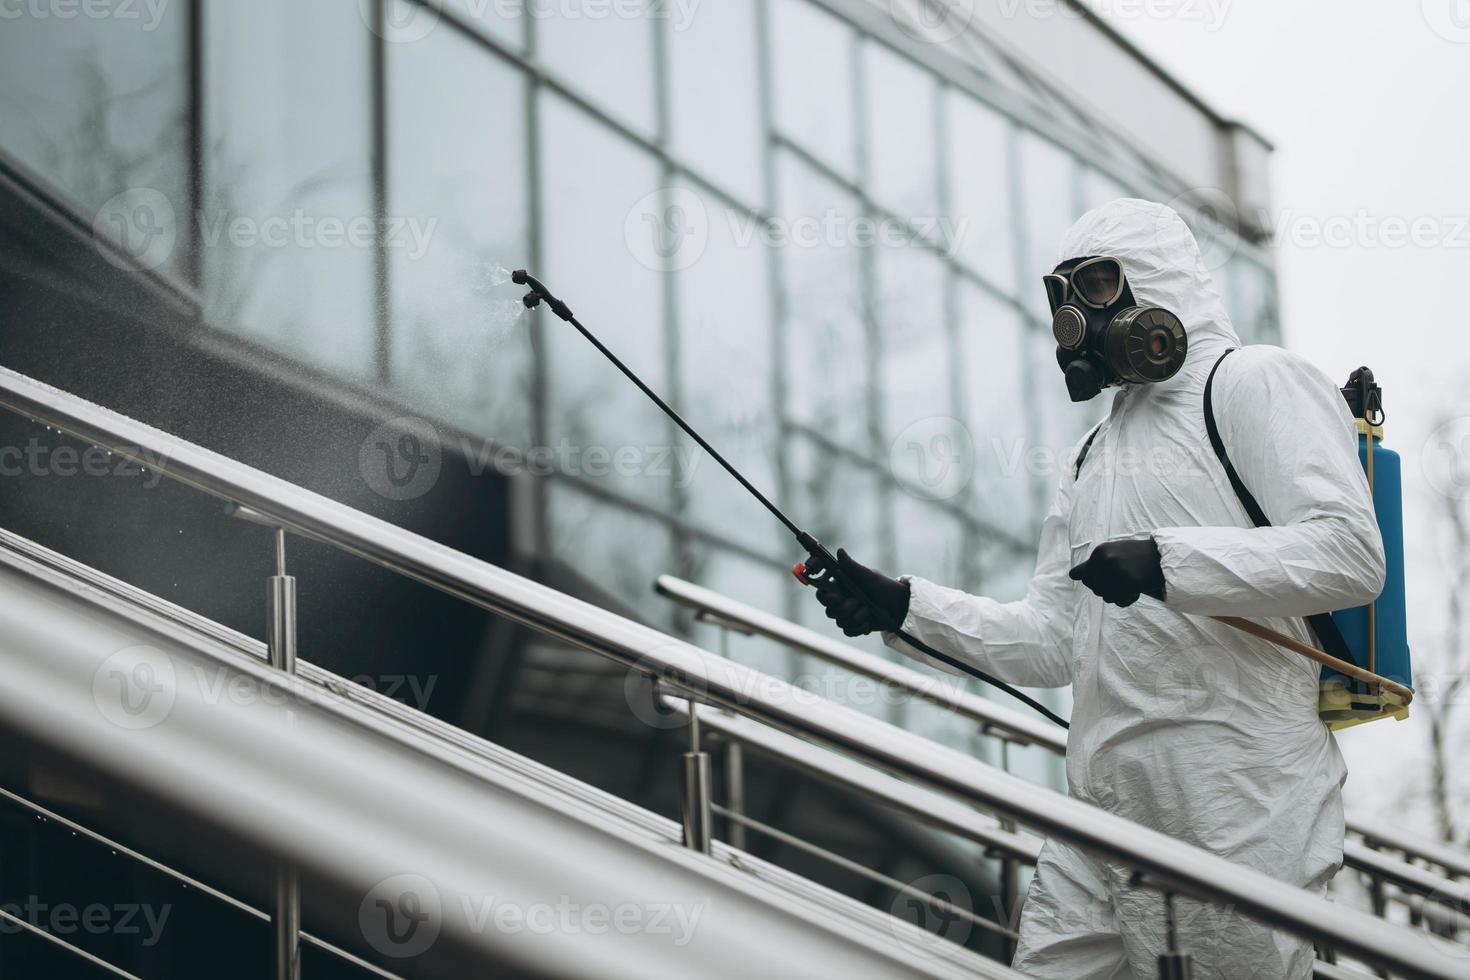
pixel 1377 636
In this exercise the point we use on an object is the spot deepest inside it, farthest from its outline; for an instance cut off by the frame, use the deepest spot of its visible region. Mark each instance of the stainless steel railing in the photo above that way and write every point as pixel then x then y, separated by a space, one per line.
pixel 1005 723
pixel 684 669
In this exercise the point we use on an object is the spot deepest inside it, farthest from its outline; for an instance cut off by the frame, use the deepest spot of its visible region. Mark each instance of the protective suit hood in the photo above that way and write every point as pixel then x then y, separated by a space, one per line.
pixel 1164 267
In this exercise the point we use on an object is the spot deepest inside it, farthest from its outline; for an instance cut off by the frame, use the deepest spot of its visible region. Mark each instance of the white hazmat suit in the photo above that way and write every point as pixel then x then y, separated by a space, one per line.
pixel 1181 723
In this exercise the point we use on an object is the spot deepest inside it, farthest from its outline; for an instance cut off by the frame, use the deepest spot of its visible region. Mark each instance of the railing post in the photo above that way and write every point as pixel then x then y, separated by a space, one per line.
pixel 1010 872
pixel 286 892
pixel 734 767
pixel 694 796
pixel 1173 965
pixel 735 792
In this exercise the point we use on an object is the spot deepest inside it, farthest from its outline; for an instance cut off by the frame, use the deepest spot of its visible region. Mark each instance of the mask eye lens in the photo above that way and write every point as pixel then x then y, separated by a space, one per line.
pixel 1056 290
pixel 1099 282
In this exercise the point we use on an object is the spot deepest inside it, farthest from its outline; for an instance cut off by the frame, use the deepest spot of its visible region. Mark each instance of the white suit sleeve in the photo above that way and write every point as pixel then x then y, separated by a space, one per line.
pixel 1287 430
pixel 1027 642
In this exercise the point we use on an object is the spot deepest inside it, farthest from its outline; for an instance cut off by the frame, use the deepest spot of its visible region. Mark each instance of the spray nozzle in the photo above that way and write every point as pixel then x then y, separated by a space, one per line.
pixel 538 293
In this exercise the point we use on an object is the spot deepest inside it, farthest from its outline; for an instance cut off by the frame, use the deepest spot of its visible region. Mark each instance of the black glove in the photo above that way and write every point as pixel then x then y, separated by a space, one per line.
pixel 1120 571
pixel 890 598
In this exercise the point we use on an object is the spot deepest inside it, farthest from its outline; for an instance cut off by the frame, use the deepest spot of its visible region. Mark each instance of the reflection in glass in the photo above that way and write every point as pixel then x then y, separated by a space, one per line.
pixel 1250 292
pixel 997 406
pixel 933 543
pixel 812 58
pixel 755 583
pixel 97 106
pixel 825 335
pixel 504 20
pixel 900 99
pixel 837 499
pixel 725 374
pixel 460 342
pixel 1098 189
pixel 617 551
pixel 604 53
pixel 288 234
pixel 715 95
pixel 979 192
pixel 925 442
pixel 1048 202
pixel 590 228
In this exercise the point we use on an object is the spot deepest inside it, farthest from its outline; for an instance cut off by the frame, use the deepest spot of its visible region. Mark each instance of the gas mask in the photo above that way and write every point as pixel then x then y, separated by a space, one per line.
pixel 1103 337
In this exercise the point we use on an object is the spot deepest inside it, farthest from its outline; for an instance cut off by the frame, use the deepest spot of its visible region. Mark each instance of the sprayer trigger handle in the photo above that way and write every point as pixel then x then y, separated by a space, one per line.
pixel 799 572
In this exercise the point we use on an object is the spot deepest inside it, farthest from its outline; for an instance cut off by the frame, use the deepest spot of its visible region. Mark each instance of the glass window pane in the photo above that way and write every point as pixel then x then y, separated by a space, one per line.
pixel 1098 189
pixel 616 549
pixel 616 289
pixel 825 336
pixel 504 20
pixel 605 52
pixel 837 499
pixel 926 445
pixel 992 335
pixel 755 583
pixel 288 232
pixel 715 95
pixel 725 370
pixel 812 58
pixel 900 99
pixel 460 345
pixel 979 173
pixel 1048 199
pixel 1252 299
pixel 933 543
pixel 97 106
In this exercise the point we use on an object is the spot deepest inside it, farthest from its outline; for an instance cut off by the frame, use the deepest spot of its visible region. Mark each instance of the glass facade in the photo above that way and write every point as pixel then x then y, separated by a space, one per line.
pixel 824 251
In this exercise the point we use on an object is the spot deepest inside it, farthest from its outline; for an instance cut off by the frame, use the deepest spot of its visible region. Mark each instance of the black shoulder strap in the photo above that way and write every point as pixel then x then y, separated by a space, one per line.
pixel 1328 635
pixel 1082 453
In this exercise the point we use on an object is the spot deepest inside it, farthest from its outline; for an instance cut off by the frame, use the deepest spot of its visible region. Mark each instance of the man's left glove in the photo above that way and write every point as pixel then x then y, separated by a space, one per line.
pixel 1120 571
pixel 890 598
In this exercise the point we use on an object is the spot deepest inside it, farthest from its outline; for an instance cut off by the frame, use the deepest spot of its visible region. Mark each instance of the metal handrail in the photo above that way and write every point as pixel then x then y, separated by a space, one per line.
pixel 1165 861
pixel 195 884
pixel 952 817
pixel 1454 860
pixel 1003 722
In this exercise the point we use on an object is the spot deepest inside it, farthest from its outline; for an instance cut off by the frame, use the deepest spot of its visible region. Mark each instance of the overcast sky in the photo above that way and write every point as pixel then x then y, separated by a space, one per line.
pixel 1365 102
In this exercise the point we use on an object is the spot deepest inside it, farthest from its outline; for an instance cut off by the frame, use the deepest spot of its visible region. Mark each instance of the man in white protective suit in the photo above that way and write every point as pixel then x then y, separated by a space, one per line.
pixel 1180 723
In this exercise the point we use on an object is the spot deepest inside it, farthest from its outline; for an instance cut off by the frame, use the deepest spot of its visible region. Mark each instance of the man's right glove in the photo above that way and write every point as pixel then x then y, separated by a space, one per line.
pixel 890 598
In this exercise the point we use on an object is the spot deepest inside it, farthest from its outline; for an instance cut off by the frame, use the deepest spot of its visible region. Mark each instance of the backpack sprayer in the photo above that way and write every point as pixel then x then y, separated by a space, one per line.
pixel 1365 656
pixel 820 565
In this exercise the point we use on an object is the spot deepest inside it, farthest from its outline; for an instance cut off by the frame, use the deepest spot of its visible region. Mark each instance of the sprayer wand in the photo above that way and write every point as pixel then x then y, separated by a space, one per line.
pixel 820 565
